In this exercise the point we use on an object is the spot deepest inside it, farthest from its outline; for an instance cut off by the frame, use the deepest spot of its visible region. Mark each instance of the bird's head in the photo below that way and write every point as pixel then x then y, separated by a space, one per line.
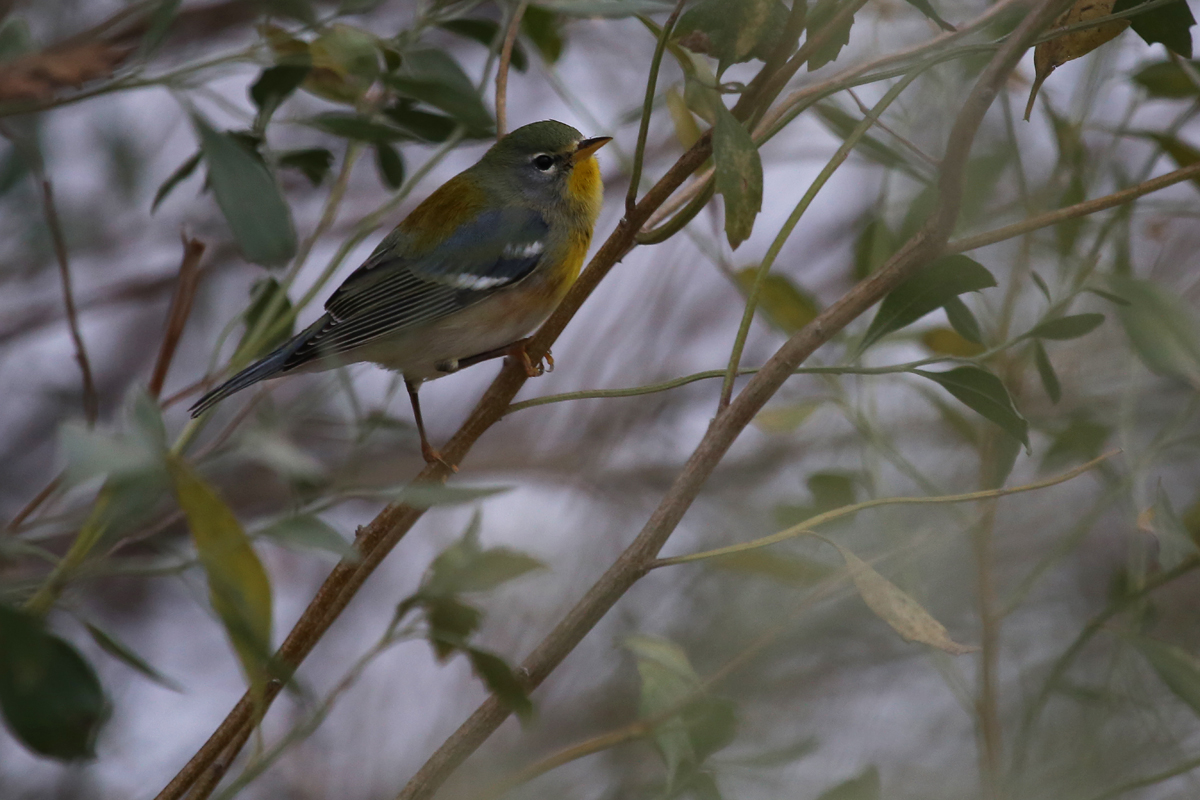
pixel 546 161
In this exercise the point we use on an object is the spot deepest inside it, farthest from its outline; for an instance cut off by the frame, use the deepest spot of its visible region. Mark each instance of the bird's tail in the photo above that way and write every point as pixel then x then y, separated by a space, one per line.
pixel 270 365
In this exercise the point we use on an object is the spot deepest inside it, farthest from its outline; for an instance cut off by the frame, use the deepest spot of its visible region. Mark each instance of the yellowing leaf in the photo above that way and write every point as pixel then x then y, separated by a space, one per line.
pixel 788 307
pixel 893 606
pixel 739 175
pixel 686 129
pixel 784 419
pixel 1050 55
pixel 238 585
pixel 947 342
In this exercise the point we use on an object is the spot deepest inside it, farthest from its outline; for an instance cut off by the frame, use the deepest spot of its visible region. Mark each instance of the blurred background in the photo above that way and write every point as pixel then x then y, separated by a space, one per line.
pixel 1088 686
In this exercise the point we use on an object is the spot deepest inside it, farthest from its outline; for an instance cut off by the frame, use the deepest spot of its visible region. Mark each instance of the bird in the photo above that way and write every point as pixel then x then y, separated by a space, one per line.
pixel 470 272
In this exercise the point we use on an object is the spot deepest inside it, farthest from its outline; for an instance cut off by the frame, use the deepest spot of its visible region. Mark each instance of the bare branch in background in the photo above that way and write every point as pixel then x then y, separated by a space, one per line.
pixel 510 39
pixel 181 307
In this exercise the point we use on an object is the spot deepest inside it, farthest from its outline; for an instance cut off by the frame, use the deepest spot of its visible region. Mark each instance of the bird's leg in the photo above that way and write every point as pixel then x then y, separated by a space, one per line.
pixel 427 452
pixel 517 351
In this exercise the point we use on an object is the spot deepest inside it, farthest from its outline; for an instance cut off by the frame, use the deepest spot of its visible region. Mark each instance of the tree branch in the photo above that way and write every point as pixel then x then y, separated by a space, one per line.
pixel 510 38
pixel 181 307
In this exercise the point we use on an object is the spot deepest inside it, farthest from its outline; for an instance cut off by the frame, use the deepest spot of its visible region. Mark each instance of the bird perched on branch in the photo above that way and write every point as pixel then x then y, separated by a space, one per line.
pixel 471 271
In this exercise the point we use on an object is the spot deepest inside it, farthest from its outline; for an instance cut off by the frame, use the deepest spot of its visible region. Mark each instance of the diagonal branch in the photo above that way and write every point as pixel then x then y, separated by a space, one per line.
pixel 725 428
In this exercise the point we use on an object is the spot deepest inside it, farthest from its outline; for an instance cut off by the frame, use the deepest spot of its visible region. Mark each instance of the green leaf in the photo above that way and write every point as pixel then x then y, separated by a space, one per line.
pixel 264 293
pixel 785 305
pixel 948 342
pixel 1162 327
pixel 686 129
pixel 1082 440
pixel 1169 24
pixel 467 567
pixel 15 39
pixel 963 321
pixel 1166 79
pixel 926 8
pixel 422 125
pixel 786 569
pixel 668 680
pixel 1174 540
pixel 865 786
pixel 499 677
pixel 433 77
pixel 357 126
pixel 931 288
pixel 239 588
pixel 1046 372
pixel 308 532
pixel 90 452
pixel 249 198
pixel 739 175
pixel 275 84
pixel 1182 153
pixel 488 34
pixel 181 173
pixel 711 723
pixel 1071 327
pixel 1040 282
pixel 842 124
pixel 451 623
pixel 126 655
pixel 785 419
pixel 818 17
pixel 873 247
pixel 906 616
pixel 50 696
pixel 1178 669
pixel 427 495
pixel 314 162
pixel 732 32
pixel 157 25
pixel 983 393
pixel 390 165
pixel 545 31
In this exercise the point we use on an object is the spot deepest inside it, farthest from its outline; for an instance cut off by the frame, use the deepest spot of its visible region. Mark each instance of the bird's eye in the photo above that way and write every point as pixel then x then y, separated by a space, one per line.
pixel 543 162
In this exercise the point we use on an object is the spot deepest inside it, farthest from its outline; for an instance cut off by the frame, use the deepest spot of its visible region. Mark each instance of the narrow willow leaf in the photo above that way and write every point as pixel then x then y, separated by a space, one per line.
pixel 739 175
pixel 1040 282
pixel 1182 153
pixel 874 246
pixel 732 32
pixel 1071 327
pixel 786 569
pixel 427 495
pixel 310 533
pixel 543 28
pixel 433 77
pixel 785 419
pixel 785 305
pixel 947 342
pixel 422 125
pixel 962 320
pixel 239 588
pixel 390 165
pixel 487 33
pixel 499 677
pixel 906 616
pixel 818 16
pixel 50 696
pixel 1169 25
pixel 667 681
pixel 843 124
pixel 276 84
pixel 1050 55
pixel 926 8
pixel 345 62
pixel 451 623
pixel 357 126
pixel 314 162
pixel 1162 327
pixel 181 173
pixel 983 393
pixel 158 25
pixel 1046 372
pixel 126 655
pixel 1082 440
pixel 930 289
pixel 1167 80
pixel 1178 669
pixel 265 294
pixel 249 198
pixel 686 129
pixel 864 786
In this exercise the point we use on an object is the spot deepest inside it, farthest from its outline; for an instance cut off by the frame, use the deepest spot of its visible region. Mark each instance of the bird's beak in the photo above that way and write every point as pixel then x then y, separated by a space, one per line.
pixel 588 146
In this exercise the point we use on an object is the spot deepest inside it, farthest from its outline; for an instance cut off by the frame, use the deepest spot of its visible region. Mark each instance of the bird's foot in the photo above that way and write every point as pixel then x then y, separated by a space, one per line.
pixel 532 370
pixel 432 456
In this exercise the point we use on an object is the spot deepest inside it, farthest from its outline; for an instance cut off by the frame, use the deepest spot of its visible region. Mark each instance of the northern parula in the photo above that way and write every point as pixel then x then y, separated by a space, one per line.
pixel 472 270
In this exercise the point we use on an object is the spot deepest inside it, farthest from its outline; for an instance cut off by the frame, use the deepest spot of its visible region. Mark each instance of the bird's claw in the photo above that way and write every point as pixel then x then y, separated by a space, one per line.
pixel 533 370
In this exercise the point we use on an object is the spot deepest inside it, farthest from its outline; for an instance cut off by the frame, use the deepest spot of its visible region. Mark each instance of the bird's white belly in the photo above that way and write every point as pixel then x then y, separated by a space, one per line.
pixel 491 324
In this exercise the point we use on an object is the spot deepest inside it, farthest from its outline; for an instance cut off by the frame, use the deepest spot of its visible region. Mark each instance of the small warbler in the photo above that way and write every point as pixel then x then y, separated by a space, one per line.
pixel 474 268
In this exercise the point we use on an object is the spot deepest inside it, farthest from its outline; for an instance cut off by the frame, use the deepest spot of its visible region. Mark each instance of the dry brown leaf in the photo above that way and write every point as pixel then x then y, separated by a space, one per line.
pixel 1052 54
pixel 38 76
pixel 906 616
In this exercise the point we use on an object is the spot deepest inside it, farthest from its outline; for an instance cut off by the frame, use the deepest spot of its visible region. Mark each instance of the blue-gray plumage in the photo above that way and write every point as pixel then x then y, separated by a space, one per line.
pixel 473 269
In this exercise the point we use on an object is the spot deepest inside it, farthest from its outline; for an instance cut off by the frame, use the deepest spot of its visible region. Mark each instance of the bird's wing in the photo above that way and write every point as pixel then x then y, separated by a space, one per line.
pixel 396 289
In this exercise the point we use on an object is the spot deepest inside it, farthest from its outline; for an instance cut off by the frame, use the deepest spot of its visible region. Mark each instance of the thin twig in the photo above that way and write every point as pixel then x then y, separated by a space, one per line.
pixel 36 503
pixel 181 307
pixel 918 152
pixel 510 38
pixel 91 401
pixel 639 153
